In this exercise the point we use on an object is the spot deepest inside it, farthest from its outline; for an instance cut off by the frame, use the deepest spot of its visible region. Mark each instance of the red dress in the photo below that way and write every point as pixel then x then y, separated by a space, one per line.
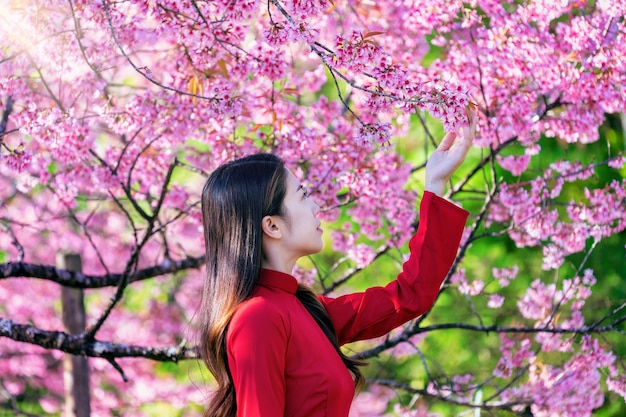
pixel 282 363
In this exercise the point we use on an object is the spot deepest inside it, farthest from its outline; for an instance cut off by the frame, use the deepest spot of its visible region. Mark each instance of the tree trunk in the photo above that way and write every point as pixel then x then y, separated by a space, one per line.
pixel 76 368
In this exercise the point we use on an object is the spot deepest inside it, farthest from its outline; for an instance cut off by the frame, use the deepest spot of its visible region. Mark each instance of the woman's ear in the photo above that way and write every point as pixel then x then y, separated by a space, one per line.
pixel 270 227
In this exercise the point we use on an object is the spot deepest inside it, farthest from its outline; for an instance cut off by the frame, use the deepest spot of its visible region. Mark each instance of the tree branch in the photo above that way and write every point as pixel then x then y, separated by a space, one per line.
pixel 411 331
pixel 449 399
pixel 132 263
pixel 79 345
pixel 8 109
pixel 80 280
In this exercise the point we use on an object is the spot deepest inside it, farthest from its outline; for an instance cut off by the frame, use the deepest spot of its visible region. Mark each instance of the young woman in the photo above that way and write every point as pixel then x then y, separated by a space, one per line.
pixel 272 345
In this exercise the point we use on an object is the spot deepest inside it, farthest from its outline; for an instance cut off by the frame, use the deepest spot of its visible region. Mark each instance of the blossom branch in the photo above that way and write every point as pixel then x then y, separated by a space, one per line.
pixel 507 406
pixel 78 34
pixel 144 71
pixel 128 186
pixel 87 233
pixel 416 329
pixel 339 93
pixel 53 97
pixel 612 327
pixel 323 52
pixel 565 295
pixel 134 258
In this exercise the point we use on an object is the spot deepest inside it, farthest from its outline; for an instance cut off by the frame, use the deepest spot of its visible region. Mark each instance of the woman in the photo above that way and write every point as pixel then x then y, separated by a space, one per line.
pixel 271 344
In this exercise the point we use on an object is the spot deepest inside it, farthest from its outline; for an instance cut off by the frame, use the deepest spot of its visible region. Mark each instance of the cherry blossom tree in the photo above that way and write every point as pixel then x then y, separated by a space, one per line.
pixel 114 112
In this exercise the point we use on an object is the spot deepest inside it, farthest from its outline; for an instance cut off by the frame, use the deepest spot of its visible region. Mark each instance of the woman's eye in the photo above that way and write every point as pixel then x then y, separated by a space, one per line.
pixel 305 194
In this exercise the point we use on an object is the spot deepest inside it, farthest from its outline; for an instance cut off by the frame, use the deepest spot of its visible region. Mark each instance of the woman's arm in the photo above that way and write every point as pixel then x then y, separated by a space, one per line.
pixel 379 310
pixel 433 248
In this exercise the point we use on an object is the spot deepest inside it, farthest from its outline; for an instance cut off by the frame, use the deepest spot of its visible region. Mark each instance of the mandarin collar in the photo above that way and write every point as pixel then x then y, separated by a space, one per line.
pixel 279 280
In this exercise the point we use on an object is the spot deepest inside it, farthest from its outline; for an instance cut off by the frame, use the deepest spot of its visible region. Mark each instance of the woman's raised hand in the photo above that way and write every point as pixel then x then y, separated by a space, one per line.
pixel 450 154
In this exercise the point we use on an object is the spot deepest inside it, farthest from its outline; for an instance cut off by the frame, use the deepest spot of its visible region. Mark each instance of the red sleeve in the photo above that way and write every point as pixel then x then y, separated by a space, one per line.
pixel 379 310
pixel 257 343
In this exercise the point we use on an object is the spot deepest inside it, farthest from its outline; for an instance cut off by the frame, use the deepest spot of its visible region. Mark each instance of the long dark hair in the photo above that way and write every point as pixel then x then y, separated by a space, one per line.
pixel 235 199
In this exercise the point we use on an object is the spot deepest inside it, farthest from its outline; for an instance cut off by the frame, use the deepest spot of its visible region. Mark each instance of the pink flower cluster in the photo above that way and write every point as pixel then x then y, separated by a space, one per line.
pixel 472 289
pixel 284 32
pixel 531 225
pixel 514 164
pixel 571 390
pixel 448 102
pixel 515 355
pixel 372 403
pixel 460 387
pixel 356 52
pixel 374 133
pixel 505 275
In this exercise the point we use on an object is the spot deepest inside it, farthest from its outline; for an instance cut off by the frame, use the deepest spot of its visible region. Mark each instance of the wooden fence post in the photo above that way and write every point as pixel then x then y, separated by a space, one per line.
pixel 75 368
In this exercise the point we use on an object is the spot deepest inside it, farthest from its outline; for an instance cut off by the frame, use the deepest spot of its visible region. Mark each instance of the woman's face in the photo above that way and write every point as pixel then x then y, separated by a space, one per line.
pixel 302 235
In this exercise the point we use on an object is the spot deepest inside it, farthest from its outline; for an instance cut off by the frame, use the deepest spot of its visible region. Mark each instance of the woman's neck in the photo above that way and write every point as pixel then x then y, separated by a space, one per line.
pixel 280 266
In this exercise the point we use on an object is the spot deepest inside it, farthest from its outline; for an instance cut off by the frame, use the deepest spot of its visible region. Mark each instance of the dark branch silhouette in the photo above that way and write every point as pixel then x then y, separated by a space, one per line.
pixel 80 345
pixel 80 280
